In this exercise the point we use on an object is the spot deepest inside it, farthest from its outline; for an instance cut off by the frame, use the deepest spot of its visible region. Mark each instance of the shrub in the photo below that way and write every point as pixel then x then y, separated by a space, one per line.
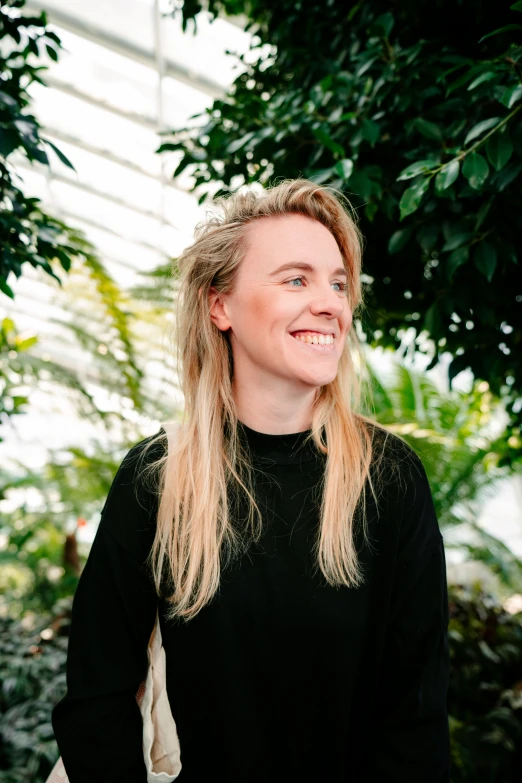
pixel 484 698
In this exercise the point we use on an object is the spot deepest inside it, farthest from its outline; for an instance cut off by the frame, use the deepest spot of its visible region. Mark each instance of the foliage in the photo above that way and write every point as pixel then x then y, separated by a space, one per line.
pixel 27 233
pixel 12 401
pixel 32 662
pixel 485 693
pixel 414 112
pixel 484 698
pixel 99 317
pixel 21 370
pixel 113 329
pixel 456 434
pixel 105 323
pixel 39 561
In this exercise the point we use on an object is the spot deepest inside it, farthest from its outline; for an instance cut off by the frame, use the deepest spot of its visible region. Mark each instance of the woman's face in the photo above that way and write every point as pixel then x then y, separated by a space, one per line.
pixel 269 305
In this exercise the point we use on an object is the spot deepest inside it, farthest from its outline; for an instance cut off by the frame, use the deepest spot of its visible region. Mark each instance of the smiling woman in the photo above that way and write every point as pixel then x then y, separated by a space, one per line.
pixel 289 543
pixel 274 385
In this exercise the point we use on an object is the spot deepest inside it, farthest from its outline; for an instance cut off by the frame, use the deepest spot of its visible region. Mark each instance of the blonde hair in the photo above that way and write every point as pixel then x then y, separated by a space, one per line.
pixel 194 535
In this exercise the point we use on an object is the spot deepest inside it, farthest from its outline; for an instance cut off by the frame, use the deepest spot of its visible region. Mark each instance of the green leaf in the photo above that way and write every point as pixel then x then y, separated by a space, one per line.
pixel 383 25
pixel 480 128
pixel 170 147
pixel 475 169
pixel 433 320
pixel 370 131
pixel 24 345
pixel 511 95
pixel 51 51
pixel 501 30
pixel 5 288
pixel 470 73
pixel 366 64
pixel 321 175
pixel 363 185
pixel 52 37
pixel 7 100
pixel 39 155
pixel 370 210
pixel 506 176
pixel 447 176
pixel 8 325
pixel 412 197
pixel 327 141
pixel 429 129
pixel 9 141
pixel 484 77
pixel 65 160
pixel 236 144
pixel 456 259
pixel 516 6
pixel 427 237
pixel 414 169
pixel 64 259
pixel 486 259
pixel 344 168
pixel 398 240
pixel 457 240
pixel 482 214
pixel 499 150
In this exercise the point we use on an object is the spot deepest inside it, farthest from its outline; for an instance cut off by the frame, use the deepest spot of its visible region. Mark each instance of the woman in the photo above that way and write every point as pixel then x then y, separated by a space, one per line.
pixel 292 541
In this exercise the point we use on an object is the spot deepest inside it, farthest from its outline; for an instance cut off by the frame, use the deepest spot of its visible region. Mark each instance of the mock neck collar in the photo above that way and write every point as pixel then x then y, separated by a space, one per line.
pixel 287 449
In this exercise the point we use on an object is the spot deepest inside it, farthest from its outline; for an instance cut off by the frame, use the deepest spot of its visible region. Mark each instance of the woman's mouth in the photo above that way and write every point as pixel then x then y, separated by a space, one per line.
pixel 310 342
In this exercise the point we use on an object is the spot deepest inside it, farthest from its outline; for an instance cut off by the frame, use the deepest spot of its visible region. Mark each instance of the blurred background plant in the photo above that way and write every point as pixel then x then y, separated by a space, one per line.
pixel 397 110
pixel 485 693
pixel 484 699
pixel 32 661
pixel 460 441
pixel 418 121
pixel 27 233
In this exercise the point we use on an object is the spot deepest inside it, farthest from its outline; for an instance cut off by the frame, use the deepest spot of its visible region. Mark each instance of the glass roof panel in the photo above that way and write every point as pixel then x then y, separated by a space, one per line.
pixel 108 177
pixel 90 68
pixel 132 22
pixel 96 126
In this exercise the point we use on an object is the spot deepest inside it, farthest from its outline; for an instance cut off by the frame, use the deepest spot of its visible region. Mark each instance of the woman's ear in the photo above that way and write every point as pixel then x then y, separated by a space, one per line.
pixel 218 310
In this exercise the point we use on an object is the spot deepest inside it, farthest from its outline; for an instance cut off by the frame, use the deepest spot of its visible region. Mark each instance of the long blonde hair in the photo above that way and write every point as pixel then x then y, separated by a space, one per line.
pixel 195 536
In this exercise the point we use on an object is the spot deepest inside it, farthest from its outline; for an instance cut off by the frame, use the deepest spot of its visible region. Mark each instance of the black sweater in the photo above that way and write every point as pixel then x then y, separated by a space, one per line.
pixel 281 677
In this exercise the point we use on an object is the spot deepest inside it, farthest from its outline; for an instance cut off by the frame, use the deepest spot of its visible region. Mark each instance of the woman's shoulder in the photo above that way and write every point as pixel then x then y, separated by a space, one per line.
pixel 397 467
pixel 145 454
pixel 129 512
pixel 391 449
pixel 404 490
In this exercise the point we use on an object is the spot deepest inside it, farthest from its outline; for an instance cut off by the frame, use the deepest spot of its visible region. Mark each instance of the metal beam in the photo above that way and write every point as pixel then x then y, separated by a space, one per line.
pixel 108 155
pixel 69 89
pixel 120 202
pixel 94 224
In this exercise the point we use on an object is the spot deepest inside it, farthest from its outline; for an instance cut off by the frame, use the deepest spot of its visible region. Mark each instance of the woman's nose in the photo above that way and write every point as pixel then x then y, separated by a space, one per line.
pixel 328 299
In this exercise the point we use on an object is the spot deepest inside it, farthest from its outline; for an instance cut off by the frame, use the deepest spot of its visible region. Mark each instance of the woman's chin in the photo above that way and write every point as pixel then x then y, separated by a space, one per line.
pixel 319 377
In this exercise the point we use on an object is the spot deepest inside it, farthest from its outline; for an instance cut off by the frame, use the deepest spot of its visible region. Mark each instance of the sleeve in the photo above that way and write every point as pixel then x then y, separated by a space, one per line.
pixel 98 725
pixel 410 731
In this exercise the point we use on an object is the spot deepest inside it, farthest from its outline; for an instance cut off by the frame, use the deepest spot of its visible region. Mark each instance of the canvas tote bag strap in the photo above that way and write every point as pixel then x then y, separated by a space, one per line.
pixel 160 738
pixel 161 749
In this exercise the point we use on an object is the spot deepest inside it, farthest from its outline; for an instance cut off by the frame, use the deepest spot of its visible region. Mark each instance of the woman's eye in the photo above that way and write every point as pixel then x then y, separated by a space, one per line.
pixel 341 289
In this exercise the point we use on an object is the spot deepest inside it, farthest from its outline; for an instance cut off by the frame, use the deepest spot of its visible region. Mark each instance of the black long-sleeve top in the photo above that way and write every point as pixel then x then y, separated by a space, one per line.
pixel 281 677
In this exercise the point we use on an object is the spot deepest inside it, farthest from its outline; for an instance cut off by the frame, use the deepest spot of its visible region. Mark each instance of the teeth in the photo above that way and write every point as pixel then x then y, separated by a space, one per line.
pixel 316 339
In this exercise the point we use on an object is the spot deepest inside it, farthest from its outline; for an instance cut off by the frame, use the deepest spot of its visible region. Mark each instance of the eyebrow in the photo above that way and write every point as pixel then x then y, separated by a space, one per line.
pixel 307 267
